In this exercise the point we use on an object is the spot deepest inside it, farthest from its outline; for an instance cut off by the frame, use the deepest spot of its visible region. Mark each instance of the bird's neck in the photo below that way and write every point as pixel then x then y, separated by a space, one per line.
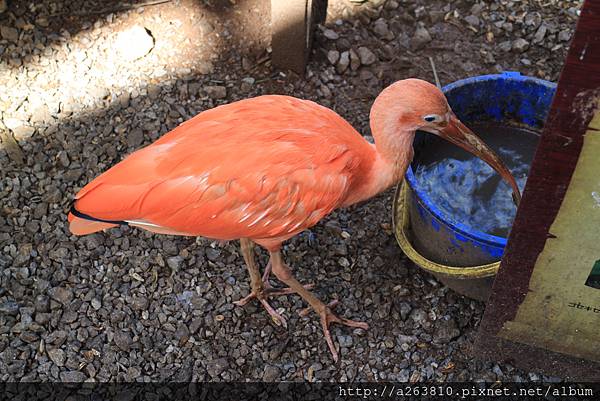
pixel 388 160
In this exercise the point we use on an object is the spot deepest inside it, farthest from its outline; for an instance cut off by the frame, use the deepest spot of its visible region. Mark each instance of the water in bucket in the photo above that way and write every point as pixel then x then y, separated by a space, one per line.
pixel 468 190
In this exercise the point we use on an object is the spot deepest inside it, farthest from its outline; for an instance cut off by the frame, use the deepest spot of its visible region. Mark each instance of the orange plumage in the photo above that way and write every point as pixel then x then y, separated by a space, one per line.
pixel 263 170
pixel 242 170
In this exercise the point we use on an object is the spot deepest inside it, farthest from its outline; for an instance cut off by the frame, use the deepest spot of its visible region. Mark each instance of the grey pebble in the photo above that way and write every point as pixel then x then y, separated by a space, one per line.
pixel 420 38
pixel 57 356
pixel 520 45
pixel 72 376
pixel 122 340
pixel 61 294
pixel 216 91
pixel 330 34
pixel 367 57
pixel 271 373
pixel 333 56
pixel 9 308
pixel 343 62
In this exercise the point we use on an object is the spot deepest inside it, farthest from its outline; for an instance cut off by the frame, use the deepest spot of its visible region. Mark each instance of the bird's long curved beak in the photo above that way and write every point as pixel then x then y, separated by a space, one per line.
pixel 457 133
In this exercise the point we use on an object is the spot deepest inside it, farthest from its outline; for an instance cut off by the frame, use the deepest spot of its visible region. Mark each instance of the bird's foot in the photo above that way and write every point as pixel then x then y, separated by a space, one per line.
pixel 328 317
pixel 275 316
pixel 266 290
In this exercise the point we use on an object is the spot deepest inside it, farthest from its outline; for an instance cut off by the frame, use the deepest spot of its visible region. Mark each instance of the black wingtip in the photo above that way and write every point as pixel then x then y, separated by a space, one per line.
pixel 77 213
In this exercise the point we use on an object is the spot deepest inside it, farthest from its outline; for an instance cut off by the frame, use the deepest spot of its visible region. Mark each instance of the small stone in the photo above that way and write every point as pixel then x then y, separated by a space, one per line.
pixel 418 315
pixel 57 356
pixel 540 33
pixel 96 304
pixel 182 334
pixel 213 254
pixel 446 331
pixel 139 303
pixel 3 6
pixel 122 340
pixel 333 56
pixel 42 318
pixel 330 34
pixel 175 263
pixel 271 373
pixel 42 303
pixel 381 29
pixel 217 366
pixel 520 45
pixel 533 19
pixel 61 294
pixel 9 33
pixel 135 137
pixel 345 341
pixel 489 58
pixel 29 337
pixel 204 67
pixel 23 132
pixel 477 8
pixel 564 36
pixel 154 91
pixel 124 100
pixel 9 308
pixel 505 46
pixel 343 62
pixel 472 20
pixel 216 92
pixel 63 158
pixel 72 376
pixel 420 38
pixel 367 57
pixel 195 325
pixel 392 5
pixel 32 226
pixel 354 60
pixel 134 43
pixel 41 114
pixel 343 44
pixel 420 12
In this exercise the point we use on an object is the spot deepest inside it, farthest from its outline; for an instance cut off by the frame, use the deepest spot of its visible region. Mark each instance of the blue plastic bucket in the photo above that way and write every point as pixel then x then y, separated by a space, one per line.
pixel 434 240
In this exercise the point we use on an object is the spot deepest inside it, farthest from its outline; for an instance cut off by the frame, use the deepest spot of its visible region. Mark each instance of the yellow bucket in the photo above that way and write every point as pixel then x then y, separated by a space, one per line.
pixel 472 281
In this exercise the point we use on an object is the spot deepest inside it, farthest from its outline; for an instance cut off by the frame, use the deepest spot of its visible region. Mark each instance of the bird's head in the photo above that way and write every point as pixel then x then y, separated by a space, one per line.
pixel 413 104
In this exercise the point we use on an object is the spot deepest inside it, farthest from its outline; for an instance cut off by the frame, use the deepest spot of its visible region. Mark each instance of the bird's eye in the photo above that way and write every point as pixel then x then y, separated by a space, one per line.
pixel 430 118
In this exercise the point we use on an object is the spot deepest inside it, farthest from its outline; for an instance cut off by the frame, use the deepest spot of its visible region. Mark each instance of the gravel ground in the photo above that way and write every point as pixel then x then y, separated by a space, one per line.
pixel 127 305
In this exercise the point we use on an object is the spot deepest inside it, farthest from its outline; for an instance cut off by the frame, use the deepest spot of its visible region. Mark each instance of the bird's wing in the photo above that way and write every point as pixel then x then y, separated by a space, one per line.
pixel 240 170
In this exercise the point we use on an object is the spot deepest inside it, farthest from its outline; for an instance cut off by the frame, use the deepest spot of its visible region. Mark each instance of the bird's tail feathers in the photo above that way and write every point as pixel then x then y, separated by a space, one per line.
pixel 82 224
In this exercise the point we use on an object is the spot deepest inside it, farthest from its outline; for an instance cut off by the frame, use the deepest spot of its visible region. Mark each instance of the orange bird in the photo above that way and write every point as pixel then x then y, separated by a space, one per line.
pixel 263 170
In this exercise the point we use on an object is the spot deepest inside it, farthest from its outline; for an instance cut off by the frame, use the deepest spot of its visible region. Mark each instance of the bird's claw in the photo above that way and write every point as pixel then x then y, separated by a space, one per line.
pixel 262 297
pixel 328 317
pixel 304 312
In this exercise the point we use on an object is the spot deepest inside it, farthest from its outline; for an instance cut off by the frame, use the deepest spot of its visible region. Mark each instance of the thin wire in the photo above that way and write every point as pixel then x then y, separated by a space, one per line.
pixel 435 75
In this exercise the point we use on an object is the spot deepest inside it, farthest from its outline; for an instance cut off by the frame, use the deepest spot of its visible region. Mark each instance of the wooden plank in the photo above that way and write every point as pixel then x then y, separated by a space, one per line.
pixel 292 25
pixel 555 162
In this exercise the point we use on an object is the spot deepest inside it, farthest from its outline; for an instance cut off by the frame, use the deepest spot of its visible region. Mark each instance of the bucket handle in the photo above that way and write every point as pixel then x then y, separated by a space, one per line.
pixel 400 223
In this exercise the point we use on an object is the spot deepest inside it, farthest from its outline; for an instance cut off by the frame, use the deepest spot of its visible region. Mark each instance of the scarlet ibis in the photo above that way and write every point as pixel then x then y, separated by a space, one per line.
pixel 264 169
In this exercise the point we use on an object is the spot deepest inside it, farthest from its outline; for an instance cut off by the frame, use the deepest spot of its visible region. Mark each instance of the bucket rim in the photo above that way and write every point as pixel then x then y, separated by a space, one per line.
pixel 401 225
pixel 424 199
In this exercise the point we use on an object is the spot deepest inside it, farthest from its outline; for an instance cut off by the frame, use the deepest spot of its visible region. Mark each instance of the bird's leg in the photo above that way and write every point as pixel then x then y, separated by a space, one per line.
pixel 258 289
pixel 283 273
pixel 270 290
pixel 261 288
